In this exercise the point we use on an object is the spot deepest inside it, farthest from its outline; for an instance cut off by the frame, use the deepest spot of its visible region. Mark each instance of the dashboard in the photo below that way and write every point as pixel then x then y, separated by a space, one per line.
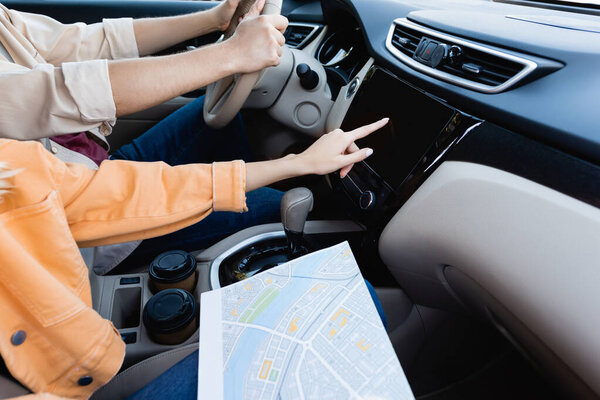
pixel 480 183
pixel 560 106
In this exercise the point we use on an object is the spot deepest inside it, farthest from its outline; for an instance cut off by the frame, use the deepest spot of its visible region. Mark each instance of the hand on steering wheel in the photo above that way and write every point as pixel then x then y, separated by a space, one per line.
pixel 258 43
pixel 225 11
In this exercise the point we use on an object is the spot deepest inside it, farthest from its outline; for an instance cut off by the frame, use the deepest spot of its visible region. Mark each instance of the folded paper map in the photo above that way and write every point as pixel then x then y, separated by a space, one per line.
pixel 307 329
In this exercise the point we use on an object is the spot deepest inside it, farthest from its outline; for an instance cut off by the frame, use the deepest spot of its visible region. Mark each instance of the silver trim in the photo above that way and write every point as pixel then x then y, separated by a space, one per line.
pixel 216 263
pixel 308 37
pixel 529 66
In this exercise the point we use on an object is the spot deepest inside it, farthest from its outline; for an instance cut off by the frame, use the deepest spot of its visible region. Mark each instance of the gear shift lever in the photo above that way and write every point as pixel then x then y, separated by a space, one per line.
pixel 295 206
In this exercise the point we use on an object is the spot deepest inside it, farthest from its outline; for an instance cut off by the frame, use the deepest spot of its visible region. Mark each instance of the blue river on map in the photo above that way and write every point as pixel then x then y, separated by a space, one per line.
pixel 244 352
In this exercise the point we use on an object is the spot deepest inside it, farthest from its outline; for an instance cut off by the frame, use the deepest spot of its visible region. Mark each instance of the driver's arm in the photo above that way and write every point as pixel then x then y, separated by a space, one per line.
pixel 74 97
pixel 156 34
pixel 142 83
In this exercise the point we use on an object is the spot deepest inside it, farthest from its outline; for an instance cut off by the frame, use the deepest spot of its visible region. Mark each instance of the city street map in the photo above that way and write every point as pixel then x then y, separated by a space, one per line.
pixel 307 329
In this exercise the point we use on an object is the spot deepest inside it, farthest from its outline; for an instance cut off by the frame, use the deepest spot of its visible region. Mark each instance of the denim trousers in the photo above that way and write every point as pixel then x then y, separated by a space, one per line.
pixel 184 138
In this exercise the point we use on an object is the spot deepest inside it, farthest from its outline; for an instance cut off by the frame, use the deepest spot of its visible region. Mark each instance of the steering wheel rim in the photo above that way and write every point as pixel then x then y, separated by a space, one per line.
pixel 225 97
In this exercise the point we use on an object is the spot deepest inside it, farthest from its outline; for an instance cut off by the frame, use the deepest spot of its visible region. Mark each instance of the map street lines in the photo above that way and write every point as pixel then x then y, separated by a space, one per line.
pixel 307 329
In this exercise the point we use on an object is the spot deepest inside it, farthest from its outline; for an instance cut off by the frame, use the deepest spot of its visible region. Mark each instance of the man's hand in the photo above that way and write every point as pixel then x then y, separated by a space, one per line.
pixel 224 12
pixel 257 43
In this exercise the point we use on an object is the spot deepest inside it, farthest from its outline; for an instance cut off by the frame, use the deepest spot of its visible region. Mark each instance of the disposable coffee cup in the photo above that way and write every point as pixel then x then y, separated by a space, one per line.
pixel 175 269
pixel 171 316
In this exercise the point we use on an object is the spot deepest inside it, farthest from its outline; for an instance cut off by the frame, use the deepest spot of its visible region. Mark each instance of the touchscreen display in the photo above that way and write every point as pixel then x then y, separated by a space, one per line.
pixel 415 121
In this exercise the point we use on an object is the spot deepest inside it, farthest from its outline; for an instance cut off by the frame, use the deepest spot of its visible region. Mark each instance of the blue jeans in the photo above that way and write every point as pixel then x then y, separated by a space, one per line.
pixel 184 138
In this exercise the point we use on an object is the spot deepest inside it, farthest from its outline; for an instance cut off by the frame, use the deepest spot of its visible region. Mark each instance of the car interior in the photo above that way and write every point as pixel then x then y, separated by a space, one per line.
pixel 477 217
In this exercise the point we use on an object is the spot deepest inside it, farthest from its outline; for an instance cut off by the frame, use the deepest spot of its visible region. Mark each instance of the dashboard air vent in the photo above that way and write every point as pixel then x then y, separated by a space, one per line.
pixel 483 68
pixel 297 35
pixel 406 40
pixel 455 60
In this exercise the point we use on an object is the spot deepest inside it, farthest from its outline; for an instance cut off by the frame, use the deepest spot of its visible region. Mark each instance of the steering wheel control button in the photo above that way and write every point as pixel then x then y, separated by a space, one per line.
pixel 171 316
pixel 307 114
pixel 309 79
pixel 85 380
pixel 18 338
pixel 366 200
pixel 173 269
pixel 352 88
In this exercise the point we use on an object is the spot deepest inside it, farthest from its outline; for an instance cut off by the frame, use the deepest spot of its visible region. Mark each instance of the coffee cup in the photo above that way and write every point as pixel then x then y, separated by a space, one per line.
pixel 171 316
pixel 175 269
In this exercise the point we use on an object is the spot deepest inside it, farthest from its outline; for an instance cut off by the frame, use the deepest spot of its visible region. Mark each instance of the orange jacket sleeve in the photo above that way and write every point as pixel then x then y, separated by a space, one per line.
pixel 125 200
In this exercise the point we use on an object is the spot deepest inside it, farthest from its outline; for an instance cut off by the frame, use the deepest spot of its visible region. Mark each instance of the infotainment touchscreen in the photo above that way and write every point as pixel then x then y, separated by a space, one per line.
pixel 415 121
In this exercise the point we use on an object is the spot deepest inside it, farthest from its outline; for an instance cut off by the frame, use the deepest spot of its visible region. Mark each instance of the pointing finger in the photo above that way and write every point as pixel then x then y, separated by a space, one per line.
pixel 357 156
pixel 363 131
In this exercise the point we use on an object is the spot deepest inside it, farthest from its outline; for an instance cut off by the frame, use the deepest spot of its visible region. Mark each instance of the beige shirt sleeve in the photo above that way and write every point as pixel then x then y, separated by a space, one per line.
pixel 58 43
pixel 49 101
pixel 69 93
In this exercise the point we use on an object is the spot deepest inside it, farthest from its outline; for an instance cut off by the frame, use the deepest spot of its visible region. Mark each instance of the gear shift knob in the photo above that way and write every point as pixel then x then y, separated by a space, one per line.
pixel 295 206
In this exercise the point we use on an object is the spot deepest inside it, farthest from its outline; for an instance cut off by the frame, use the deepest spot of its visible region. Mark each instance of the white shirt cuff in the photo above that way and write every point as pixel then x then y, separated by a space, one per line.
pixel 89 85
pixel 121 38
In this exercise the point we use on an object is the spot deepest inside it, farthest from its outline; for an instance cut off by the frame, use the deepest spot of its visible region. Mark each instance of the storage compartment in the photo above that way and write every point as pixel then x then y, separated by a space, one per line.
pixel 126 309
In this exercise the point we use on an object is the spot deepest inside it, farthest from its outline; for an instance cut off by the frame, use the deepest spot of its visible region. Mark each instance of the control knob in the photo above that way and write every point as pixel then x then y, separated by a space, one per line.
pixel 309 79
pixel 366 200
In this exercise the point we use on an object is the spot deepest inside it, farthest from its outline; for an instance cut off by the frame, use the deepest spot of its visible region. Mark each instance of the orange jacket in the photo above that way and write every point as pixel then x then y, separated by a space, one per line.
pixel 50 337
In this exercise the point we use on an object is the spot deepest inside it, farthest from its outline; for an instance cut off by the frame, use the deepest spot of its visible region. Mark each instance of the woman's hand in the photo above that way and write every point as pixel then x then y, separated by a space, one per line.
pixel 336 150
pixel 332 151
pixel 224 12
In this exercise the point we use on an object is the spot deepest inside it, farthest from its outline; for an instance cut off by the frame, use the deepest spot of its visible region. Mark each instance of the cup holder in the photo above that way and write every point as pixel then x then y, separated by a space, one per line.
pixel 171 316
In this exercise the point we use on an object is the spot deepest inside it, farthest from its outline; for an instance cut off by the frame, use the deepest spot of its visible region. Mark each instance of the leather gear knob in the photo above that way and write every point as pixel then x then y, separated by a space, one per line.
pixel 295 206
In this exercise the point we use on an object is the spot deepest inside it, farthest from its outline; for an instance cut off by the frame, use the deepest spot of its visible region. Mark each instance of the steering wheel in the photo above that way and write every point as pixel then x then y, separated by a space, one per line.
pixel 225 98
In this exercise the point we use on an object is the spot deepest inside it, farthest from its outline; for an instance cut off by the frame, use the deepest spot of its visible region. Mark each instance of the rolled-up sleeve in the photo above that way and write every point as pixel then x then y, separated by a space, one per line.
pixel 58 43
pixel 82 79
pixel 49 101
pixel 229 184
pixel 121 38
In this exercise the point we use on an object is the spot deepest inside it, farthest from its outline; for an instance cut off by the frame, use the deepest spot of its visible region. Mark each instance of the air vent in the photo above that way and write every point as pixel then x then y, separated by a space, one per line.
pixel 483 68
pixel 406 40
pixel 297 35
pixel 455 60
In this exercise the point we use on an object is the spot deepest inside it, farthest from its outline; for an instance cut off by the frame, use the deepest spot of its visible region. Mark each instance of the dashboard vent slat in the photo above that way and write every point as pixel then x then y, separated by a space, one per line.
pixel 297 35
pixel 406 40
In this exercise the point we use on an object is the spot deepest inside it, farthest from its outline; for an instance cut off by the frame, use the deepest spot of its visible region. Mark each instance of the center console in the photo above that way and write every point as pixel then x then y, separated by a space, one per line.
pixel 158 309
